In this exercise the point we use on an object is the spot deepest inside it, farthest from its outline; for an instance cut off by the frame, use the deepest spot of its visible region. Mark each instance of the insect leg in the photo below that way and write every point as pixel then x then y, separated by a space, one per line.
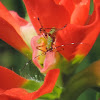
pixel 38 47
pixel 76 43
pixel 58 47
pixel 44 53
pixel 68 44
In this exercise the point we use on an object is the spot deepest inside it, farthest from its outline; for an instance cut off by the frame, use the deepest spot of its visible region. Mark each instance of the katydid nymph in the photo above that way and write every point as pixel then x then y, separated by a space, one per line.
pixel 50 37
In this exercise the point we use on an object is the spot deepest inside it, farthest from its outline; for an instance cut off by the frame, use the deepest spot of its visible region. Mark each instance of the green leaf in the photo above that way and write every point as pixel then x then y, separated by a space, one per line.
pixel 91 7
pixel 97 96
pixel 32 85
pixel 54 95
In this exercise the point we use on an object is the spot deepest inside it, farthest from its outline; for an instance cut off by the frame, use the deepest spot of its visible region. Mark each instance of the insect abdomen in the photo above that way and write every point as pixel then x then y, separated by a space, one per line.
pixel 49 43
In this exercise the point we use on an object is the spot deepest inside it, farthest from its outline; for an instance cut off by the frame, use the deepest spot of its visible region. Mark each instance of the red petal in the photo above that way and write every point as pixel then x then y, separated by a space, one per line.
pixel 9 79
pixel 50 14
pixel 1 90
pixel 21 94
pixel 78 10
pixel 49 62
pixel 79 34
pixel 14 94
pixel 10 30
pixel 7 97
pixel 49 83
pixel 96 1
pixel 57 1
pixel 81 12
pixel 57 15
pixel 68 4
pixel 19 20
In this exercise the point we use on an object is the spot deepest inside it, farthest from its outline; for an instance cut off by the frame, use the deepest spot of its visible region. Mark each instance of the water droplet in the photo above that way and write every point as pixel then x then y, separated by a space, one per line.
pixel 35 76
pixel 59 3
pixel 26 63
pixel 62 45
pixel 72 43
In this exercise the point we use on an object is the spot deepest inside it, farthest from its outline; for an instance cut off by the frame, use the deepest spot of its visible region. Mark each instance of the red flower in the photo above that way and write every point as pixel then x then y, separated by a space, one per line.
pixel 11 85
pixel 14 30
pixel 77 38
pixel 81 30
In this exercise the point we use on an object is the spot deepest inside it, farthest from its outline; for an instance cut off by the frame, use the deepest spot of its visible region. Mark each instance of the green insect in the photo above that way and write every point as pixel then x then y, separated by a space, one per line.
pixel 50 36
pixel 50 39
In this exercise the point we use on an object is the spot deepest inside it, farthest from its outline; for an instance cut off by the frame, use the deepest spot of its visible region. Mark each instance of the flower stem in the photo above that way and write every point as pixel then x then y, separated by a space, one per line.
pixel 79 83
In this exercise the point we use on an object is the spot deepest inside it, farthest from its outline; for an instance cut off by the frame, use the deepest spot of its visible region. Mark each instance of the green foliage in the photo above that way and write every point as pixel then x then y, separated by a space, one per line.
pixel 54 95
pixel 32 85
pixel 15 61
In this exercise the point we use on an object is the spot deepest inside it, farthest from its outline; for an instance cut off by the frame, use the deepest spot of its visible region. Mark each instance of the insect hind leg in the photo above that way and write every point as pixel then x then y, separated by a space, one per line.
pixel 44 52
pixel 38 47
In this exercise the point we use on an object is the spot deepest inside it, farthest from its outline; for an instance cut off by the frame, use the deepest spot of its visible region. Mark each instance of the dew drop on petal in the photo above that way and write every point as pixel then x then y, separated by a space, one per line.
pixel 72 43
pixel 34 17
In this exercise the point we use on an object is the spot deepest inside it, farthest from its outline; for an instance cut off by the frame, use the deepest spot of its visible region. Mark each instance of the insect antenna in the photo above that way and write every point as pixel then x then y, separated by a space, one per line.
pixel 40 23
pixel 57 29
pixel 41 29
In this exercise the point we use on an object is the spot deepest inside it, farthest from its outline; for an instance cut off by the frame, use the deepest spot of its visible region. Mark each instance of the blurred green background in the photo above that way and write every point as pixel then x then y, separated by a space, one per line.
pixel 15 61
